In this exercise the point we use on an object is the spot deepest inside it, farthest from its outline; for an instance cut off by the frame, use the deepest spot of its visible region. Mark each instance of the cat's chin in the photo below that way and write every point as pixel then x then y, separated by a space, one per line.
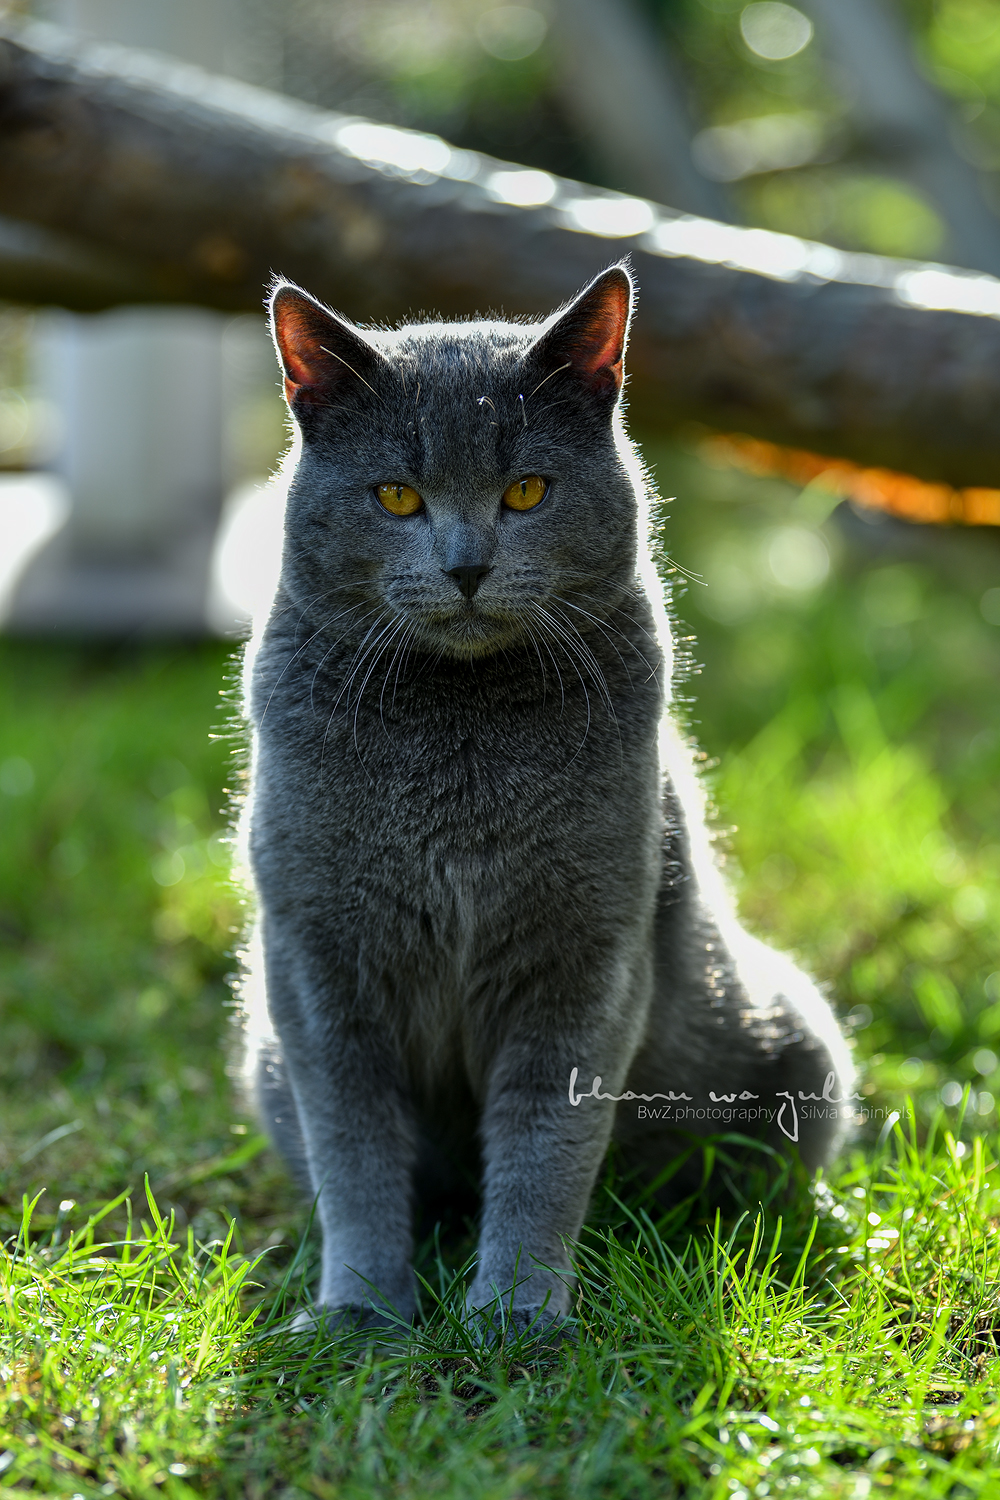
pixel 469 637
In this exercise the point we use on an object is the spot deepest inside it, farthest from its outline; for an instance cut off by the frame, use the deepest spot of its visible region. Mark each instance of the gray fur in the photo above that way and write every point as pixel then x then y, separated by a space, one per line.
pixel 477 844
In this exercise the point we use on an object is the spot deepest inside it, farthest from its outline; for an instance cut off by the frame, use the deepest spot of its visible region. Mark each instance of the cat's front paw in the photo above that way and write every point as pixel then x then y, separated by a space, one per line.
pixel 361 1323
pixel 537 1326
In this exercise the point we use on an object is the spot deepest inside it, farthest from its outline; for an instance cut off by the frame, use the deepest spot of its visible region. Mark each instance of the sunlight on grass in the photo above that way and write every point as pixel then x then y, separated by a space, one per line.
pixel 117 1357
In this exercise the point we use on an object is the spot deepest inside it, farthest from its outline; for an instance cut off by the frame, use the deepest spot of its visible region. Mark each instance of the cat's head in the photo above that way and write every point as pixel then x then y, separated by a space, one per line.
pixel 468 480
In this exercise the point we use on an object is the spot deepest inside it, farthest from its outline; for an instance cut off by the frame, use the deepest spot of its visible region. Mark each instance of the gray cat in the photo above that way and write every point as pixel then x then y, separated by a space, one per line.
pixel 490 922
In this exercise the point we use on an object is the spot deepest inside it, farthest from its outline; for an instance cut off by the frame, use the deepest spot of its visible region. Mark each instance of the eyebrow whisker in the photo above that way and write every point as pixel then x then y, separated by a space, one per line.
pixel 549 377
pixel 353 371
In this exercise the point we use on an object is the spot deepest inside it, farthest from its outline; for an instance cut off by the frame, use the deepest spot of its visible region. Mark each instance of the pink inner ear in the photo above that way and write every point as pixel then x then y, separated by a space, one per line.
pixel 301 353
pixel 603 337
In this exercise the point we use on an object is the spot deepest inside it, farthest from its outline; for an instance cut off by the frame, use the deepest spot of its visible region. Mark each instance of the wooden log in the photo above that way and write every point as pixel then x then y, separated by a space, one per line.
pixel 39 266
pixel 207 186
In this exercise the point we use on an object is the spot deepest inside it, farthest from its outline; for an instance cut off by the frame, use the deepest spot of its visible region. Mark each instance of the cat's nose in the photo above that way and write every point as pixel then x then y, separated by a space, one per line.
pixel 469 577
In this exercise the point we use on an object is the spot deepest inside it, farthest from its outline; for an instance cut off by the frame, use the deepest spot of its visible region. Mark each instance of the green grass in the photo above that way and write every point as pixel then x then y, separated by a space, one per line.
pixel 838 1338
pixel 826 1356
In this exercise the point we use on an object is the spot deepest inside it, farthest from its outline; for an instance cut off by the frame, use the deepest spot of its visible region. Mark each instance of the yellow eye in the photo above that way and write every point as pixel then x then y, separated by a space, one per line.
pixel 399 498
pixel 525 494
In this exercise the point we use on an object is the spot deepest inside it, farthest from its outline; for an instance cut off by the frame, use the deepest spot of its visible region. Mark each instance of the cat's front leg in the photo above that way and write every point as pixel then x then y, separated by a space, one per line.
pixel 358 1141
pixel 541 1154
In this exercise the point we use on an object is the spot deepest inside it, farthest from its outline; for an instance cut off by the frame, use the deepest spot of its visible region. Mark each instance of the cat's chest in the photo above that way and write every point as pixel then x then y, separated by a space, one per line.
pixel 453 796
pixel 457 787
pixel 468 803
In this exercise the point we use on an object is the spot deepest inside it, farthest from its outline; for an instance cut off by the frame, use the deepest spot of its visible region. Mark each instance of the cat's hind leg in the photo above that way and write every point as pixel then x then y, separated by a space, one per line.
pixel 276 1109
pixel 740 1042
pixel 265 1081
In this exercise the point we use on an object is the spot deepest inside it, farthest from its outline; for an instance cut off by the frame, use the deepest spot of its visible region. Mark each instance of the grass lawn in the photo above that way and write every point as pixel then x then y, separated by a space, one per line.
pixel 840 1338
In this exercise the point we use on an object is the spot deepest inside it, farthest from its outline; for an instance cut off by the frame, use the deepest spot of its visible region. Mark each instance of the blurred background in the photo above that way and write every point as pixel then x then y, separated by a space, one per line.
pixel 848 707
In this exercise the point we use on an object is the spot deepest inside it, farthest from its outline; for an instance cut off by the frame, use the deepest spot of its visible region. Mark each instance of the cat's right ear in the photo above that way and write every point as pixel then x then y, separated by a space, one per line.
pixel 323 358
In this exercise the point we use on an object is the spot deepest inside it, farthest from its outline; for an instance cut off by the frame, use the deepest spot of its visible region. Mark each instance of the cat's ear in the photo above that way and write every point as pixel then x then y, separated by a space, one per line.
pixel 588 338
pixel 322 356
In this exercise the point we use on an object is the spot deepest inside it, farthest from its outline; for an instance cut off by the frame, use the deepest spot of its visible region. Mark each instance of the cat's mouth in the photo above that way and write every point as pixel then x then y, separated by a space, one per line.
pixel 500 613
pixel 471 628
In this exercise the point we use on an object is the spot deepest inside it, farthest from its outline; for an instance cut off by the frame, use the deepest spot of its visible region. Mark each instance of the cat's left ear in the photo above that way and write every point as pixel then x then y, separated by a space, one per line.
pixel 588 339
